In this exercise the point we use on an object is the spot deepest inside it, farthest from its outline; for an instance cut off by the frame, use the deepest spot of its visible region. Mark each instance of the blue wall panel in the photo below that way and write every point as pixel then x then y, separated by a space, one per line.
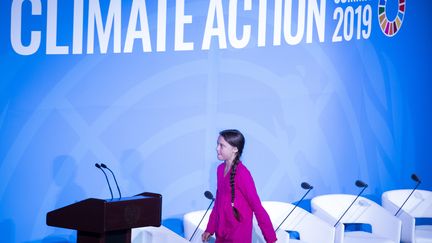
pixel 323 111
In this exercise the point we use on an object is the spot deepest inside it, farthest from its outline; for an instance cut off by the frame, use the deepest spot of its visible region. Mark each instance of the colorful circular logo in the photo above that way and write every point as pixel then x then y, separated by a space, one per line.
pixel 390 27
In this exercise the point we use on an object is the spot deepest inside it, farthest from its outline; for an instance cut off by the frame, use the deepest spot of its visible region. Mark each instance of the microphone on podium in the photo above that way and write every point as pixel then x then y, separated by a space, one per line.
pixel 115 180
pixel 415 178
pixel 359 184
pixel 106 177
pixel 209 196
pixel 305 186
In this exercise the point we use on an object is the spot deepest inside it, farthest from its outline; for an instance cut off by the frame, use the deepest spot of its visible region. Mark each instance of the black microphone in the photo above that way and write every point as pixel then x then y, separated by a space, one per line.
pixel 106 167
pixel 415 178
pixel 106 177
pixel 305 186
pixel 209 196
pixel 360 184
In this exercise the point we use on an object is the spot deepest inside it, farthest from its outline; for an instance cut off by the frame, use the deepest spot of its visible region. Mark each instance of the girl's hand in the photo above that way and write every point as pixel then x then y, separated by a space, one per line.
pixel 205 236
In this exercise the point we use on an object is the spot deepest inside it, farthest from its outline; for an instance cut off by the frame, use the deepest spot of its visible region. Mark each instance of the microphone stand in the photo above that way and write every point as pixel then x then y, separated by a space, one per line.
pixel 414 177
pixel 359 184
pixel 209 196
pixel 292 210
pixel 106 177
pixel 112 173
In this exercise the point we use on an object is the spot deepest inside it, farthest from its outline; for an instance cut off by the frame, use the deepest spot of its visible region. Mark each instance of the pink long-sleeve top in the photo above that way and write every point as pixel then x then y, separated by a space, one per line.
pixel 222 220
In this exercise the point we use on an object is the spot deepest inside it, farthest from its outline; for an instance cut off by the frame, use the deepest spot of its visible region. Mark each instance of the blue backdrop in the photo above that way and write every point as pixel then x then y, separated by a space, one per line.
pixel 325 92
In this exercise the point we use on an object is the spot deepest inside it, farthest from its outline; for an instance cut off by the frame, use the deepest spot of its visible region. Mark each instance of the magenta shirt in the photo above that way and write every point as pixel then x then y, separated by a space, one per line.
pixel 247 201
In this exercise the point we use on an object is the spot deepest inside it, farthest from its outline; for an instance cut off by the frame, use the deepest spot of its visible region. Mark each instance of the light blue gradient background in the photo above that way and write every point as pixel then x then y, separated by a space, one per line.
pixel 326 113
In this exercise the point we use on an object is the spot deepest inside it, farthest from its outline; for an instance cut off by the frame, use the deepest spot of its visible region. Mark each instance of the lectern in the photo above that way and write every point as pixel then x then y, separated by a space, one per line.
pixel 108 221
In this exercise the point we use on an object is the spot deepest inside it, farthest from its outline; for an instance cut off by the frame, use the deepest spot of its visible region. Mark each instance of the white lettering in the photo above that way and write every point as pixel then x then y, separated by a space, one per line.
pixel 277 23
pixel 232 25
pixel 262 21
pixel 319 16
pixel 78 27
pixel 138 9
pixel 113 18
pixel 51 44
pixel 215 9
pixel 180 20
pixel 161 26
pixel 289 38
pixel 16 28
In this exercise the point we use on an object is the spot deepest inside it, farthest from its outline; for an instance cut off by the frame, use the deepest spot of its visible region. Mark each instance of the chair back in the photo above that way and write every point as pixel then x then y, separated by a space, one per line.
pixel 418 205
pixel 190 222
pixel 331 207
pixel 309 227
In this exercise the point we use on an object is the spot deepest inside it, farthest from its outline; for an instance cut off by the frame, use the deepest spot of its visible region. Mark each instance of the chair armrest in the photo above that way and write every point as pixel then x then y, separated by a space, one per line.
pixel 311 228
pixel 384 224
pixel 326 217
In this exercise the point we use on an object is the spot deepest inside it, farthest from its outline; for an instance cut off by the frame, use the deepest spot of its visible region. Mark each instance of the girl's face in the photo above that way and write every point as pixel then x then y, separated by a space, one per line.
pixel 224 150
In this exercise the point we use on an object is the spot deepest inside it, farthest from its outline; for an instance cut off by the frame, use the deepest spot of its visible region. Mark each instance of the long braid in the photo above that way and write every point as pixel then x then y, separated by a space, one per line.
pixel 232 182
pixel 235 139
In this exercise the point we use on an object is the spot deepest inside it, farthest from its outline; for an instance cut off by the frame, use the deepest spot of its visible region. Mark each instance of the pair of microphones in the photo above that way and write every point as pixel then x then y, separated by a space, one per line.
pixel 102 166
pixel 363 185
pixel 308 187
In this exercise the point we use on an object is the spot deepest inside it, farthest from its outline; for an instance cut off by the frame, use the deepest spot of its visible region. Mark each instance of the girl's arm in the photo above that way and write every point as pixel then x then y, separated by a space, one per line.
pixel 250 193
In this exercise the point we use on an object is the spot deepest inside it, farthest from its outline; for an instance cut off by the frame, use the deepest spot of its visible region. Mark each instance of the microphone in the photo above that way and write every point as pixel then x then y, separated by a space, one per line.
pixel 106 167
pixel 415 178
pixel 209 196
pixel 106 177
pixel 360 184
pixel 305 186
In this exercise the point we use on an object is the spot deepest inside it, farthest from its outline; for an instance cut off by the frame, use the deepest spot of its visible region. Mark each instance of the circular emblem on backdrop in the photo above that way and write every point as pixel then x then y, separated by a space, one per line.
pixel 390 27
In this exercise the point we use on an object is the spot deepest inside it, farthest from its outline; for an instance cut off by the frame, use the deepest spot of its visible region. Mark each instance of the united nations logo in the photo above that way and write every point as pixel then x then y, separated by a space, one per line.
pixel 390 27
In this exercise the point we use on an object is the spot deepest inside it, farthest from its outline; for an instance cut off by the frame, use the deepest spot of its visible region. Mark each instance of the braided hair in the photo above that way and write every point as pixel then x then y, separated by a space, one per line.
pixel 235 139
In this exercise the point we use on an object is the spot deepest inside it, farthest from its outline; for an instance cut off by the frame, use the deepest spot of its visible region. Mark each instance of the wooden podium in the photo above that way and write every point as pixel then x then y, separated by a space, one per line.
pixel 108 221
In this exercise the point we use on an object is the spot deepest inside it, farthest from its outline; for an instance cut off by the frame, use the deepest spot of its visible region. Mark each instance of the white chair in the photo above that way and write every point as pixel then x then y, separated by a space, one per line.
pixel 310 228
pixel 155 235
pixel 190 222
pixel 385 227
pixel 419 205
